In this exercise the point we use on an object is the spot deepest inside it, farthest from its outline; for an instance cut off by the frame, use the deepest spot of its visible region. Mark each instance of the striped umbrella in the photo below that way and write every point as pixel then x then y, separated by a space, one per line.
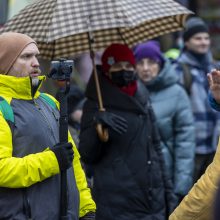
pixel 64 28
pixel 61 27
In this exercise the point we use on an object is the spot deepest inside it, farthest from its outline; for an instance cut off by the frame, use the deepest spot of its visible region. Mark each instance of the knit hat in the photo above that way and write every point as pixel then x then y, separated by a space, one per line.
pixel 150 49
pixel 11 45
pixel 116 53
pixel 193 26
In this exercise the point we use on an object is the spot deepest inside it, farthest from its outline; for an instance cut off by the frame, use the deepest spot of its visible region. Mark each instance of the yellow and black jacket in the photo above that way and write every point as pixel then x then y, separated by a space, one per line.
pixel 29 169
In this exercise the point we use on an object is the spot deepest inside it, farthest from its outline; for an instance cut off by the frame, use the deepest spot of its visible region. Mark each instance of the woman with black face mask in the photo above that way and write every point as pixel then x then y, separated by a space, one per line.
pixel 124 76
pixel 129 181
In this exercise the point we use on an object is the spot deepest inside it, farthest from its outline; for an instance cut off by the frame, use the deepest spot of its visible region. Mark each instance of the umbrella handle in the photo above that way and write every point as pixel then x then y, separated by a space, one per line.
pixel 102 133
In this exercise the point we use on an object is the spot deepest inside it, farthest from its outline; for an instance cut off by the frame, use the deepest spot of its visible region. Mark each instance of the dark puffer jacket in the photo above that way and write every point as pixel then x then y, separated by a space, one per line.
pixel 128 177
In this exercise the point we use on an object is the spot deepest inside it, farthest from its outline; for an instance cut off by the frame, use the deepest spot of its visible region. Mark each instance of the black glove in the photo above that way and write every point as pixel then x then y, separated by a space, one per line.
pixel 64 154
pixel 88 216
pixel 110 120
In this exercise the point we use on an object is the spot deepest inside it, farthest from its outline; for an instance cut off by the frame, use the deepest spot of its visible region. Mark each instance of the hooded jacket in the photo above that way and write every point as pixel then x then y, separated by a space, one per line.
pixel 29 180
pixel 205 118
pixel 174 118
pixel 128 177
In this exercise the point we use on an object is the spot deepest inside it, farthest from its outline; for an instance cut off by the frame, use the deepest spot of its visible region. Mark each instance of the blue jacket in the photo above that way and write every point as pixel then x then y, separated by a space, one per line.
pixel 206 119
pixel 175 121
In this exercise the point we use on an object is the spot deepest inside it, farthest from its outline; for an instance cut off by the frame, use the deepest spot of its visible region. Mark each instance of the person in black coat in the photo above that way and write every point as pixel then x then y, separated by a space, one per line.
pixel 129 181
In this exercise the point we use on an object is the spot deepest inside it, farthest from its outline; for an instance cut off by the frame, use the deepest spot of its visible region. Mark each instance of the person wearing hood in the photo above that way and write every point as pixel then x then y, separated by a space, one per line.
pixel 173 113
pixel 192 66
pixel 129 180
pixel 31 156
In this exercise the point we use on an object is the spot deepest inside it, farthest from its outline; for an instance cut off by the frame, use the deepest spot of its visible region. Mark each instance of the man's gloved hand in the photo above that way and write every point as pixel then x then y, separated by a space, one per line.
pixel 88 216
pixel 64 155
pixel 111 120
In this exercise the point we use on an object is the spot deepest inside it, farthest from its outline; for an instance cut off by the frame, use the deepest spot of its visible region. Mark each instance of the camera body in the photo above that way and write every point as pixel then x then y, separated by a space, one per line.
pixel 61 69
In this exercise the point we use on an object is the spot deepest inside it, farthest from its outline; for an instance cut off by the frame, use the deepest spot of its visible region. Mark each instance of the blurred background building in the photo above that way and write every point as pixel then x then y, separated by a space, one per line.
pixel 3 11
pixel 8 8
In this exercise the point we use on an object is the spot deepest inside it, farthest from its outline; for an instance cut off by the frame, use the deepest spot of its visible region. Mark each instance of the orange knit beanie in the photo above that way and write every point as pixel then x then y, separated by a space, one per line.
pixel 11 45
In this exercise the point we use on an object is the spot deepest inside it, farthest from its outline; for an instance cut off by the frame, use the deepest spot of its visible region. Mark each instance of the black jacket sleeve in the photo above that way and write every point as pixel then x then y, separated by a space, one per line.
pixel 90 146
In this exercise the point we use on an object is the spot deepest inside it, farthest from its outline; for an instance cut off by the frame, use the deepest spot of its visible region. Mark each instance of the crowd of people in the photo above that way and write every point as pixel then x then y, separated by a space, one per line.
pixel 161 117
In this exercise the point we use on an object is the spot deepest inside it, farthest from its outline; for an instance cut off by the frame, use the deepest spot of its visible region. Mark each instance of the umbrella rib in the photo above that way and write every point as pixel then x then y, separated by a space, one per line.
pixel 120 34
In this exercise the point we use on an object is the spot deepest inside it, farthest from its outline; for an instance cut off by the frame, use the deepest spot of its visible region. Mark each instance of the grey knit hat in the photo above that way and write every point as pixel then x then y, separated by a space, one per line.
pixel 193 26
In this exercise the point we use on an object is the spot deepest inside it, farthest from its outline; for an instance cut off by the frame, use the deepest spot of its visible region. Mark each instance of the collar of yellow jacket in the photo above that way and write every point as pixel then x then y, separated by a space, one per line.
pixel 18 87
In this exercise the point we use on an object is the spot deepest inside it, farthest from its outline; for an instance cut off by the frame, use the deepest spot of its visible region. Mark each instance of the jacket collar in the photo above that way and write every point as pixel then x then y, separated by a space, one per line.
pixel 166 77
pixel 113 98
pixel 188 58
pixel 18 87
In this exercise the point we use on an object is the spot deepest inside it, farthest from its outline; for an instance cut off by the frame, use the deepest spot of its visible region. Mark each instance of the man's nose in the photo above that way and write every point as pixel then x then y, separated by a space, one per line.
pixel 35 62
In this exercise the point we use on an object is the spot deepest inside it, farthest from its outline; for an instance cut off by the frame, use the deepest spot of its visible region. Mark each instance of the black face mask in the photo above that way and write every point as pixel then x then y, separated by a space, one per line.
pixel 123 77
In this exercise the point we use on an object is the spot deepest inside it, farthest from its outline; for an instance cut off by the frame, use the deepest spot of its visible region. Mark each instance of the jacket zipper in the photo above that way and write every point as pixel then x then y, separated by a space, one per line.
pixel 45 118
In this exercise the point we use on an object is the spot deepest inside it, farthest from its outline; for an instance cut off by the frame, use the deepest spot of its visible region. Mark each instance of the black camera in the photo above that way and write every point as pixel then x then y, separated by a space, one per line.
pixel 61 69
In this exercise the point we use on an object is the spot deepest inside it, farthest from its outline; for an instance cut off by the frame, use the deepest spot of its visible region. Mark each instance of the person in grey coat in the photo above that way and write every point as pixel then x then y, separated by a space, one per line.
pixel 173 114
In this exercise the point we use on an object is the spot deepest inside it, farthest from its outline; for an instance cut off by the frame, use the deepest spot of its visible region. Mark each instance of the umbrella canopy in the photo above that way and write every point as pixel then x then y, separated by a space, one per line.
pixel 61 27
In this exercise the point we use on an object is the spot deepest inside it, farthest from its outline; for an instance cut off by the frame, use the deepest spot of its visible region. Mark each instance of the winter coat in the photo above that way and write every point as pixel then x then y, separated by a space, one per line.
pixel 128 182
pixel 30 178
pixel 199 203
pixel 206 119
pixel 174 117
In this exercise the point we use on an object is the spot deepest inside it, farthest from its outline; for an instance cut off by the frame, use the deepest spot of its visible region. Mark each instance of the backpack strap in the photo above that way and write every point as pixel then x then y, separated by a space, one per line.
pixel 7 112
pixel 48 100
pixel 187 77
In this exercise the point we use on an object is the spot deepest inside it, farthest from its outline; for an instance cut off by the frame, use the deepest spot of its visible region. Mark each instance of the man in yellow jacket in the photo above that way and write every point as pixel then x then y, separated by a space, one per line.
pixel 199 203
pixel 31 156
